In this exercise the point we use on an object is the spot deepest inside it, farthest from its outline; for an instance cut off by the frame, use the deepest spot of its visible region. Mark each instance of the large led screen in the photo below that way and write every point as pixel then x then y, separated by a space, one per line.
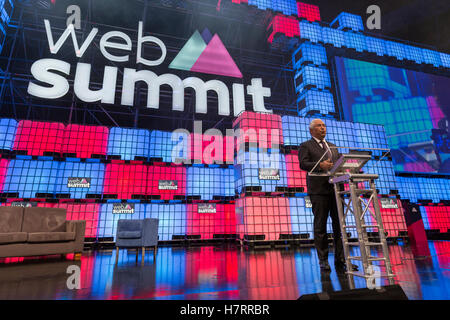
pixel 413 107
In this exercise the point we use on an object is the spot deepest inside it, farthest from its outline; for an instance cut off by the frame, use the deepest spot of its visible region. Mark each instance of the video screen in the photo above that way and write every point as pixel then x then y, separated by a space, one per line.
pixel 413 107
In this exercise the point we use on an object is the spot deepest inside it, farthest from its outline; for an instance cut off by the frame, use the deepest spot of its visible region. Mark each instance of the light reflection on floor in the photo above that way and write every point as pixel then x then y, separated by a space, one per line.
pixel 211 273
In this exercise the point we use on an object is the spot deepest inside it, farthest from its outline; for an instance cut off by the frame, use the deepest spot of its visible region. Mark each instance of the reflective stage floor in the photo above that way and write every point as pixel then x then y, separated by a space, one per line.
pixel 214 272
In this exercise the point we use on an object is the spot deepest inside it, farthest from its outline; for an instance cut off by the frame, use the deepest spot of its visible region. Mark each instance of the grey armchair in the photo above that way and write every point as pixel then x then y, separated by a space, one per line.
pixel 137 234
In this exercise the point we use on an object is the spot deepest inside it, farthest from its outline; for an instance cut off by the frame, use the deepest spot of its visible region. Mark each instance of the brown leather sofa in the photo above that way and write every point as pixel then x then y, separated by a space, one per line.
pixel 36 231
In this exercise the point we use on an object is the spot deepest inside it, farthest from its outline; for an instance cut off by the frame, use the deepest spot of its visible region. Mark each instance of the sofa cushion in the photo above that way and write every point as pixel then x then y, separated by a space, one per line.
pixel 11 219
pixel 51 236
pixel 129 234
pixel 36 219
pixel 13 237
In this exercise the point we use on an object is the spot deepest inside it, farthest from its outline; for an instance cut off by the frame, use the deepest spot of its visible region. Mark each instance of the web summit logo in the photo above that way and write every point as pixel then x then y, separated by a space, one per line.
pixel 207 54
pixel 201 53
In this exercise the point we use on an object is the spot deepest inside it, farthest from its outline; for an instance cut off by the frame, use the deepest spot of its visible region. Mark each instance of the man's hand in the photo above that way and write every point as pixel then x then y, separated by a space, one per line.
pixel 326 165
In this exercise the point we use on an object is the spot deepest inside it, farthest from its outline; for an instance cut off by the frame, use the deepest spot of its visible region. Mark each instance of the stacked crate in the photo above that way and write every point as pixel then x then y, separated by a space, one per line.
pixel 312 78
pixel 123 174
pixel 260 178
pixel 284 30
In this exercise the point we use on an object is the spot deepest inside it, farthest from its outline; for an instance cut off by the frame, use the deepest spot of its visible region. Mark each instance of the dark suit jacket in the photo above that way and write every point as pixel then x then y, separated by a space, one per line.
pixel 308 154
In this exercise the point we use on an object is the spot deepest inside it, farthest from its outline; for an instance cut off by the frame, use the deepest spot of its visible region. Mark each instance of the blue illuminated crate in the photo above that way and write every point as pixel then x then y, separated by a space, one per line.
pixel 295 130
pixel 8 129
pixel 308 53
pixel 333 36
pixel 29 177
pixel 408 188
pixel 228 182
pixel 302 219
pixel 287 7
pixel 172 219
pixel 128 143
pixel 247 165
pixel 376 45
pixel 321 101
pixel 205 182
pixel 370 136
pixel 432 57
pixel 414 54
pixel 261 4
pixel 312 77
pixel 395 49
pixel 310 31
pixel 386 176
pixel 162 145
pixel 435 189
pixel 342 134
pixel 355 41
pixel 445 59
pixel 107 222
pixel 94 171
pixel 348 21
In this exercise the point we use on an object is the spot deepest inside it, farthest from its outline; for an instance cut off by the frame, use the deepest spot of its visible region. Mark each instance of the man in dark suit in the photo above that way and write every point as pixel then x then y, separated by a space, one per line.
pixel 322 194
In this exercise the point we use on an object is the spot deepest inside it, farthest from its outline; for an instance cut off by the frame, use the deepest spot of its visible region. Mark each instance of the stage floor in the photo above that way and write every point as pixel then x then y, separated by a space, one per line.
pixel 215 272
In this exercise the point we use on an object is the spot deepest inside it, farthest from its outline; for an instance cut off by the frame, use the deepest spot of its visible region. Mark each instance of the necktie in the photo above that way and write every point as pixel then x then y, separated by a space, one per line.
pixel 324 147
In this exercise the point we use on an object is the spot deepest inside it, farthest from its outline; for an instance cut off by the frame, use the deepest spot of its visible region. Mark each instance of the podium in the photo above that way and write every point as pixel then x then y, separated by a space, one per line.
pixel 357 199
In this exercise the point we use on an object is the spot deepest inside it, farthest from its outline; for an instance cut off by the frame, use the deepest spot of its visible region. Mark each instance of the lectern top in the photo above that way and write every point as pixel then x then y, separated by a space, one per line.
pixel 350 163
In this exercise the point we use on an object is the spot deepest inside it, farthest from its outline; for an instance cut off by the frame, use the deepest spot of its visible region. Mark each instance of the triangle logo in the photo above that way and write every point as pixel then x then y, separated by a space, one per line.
pixel 189 54
pixel 211 58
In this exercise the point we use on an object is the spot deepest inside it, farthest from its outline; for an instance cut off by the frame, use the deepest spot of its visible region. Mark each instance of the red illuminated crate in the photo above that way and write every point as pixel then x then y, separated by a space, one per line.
pixel 308 11
pixel 39 137
pixel 442 249
pixel 393 219
pixel 267 216
pixel 85 141
pixel 88 212
pixel 223 221
pixel 295 176
pixel 261 128
pixel 240 1
pixel 3 171
pixel 166 181
pixel 211 149
pixel 125 180
pixel 438 217
pixel 283 25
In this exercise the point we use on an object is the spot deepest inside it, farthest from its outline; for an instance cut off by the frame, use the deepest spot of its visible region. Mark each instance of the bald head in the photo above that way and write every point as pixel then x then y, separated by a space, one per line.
pixel 318 129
